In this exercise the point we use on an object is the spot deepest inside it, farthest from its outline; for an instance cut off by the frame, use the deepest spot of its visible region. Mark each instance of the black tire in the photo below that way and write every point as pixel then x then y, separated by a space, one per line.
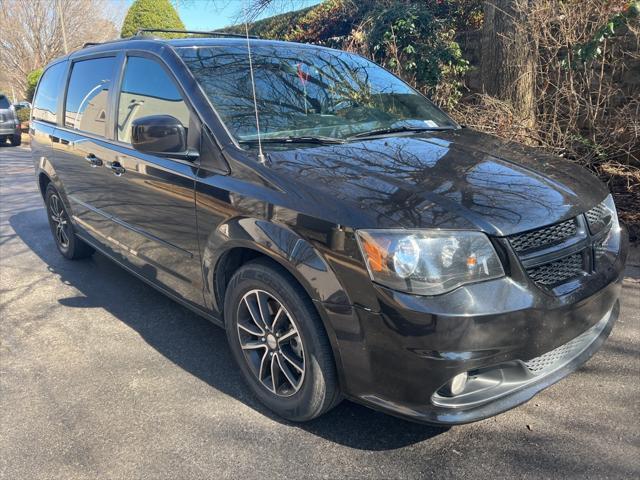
pixel 318 389
pixel 16 140
pixel 69 245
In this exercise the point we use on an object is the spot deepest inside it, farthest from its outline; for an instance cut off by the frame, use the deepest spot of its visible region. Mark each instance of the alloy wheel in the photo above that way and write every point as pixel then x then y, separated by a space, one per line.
pixel 60 221
pixel 271 343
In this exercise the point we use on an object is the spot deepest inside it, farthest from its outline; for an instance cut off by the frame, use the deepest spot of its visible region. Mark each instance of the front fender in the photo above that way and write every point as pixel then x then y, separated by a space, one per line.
pixel 293 253
pixel 282 245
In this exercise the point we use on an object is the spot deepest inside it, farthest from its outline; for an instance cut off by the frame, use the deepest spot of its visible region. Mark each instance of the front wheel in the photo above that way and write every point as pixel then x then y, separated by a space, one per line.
pixel 279 342
pixel 16 141
pixel 69 245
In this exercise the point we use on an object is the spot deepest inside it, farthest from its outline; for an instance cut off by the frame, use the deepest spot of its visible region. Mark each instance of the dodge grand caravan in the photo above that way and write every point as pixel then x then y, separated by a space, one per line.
pixel 351 238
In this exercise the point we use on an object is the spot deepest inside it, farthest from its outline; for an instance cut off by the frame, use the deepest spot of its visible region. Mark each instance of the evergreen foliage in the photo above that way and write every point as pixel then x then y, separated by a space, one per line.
pixel 151 14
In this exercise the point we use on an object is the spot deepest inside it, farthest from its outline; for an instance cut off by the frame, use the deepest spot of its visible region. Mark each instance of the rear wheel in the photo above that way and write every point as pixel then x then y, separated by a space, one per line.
pixel 279 342
pixel 67 242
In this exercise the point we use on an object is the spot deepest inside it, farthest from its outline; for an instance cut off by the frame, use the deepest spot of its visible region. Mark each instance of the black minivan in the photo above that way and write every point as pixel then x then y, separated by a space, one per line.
pixel 352 239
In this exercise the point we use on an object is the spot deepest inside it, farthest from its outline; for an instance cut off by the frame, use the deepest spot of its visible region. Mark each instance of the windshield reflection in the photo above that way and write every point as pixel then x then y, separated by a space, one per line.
pixel 306 91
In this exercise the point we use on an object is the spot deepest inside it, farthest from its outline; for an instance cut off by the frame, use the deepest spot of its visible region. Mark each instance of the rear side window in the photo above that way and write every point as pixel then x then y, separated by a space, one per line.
pixel 4 102
pixel 86 105
pixel 45 105
pixel 147 89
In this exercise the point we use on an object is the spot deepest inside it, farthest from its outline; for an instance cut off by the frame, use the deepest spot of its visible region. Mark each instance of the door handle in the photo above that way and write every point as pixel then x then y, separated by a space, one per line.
pixel 116 168
pixel 93 160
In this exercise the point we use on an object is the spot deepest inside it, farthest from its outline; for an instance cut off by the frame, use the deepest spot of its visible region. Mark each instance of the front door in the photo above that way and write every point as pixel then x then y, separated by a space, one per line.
pixel 152 200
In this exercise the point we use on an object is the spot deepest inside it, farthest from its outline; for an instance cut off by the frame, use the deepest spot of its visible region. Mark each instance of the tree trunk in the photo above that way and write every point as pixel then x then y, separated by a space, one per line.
pixel 508 57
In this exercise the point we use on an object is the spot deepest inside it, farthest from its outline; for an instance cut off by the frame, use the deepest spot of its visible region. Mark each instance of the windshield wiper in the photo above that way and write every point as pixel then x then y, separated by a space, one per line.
pixel 384 131
pixel 293 139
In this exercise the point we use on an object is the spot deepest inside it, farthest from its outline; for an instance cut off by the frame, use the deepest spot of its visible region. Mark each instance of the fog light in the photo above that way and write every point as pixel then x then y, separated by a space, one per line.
pixel 456 386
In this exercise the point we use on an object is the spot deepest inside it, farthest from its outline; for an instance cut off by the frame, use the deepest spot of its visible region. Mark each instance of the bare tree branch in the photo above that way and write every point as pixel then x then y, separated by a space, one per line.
pixel 31 35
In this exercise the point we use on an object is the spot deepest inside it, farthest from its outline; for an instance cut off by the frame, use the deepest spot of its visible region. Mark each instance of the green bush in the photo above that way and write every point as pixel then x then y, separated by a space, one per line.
pixel 330 23
pixel 23 114
pixel 421 48
pixel 276 27
pixel 151 14
pixel 32 82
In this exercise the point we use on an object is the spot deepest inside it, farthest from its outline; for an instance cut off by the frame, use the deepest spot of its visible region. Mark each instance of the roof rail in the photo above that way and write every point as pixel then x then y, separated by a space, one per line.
pixel 194 32
pixel 90 44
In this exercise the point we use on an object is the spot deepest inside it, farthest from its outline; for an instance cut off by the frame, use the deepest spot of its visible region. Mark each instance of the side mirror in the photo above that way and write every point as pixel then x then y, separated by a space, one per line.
pixel 162 135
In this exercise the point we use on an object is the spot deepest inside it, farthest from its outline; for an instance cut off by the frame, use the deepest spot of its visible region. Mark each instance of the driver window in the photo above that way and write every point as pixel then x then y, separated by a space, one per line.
pixel 146 90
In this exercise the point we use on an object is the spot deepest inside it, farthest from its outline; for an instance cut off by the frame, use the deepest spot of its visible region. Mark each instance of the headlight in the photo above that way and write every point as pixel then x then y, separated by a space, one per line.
pixel 611 242
pixel 428 262
pixel 611 206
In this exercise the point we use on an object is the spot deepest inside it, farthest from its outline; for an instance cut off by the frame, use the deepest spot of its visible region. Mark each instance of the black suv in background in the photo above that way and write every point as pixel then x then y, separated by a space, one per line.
pixel 377 250
pixel 9 123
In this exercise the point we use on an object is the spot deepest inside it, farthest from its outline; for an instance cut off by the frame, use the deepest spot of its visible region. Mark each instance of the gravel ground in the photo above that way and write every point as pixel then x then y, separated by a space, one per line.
pixel 103 377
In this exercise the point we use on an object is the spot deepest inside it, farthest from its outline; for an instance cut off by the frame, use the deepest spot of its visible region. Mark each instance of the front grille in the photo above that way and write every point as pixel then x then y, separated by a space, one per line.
pixel 558 253
pixel 544 237
pixel 556 272
pixel 598 218
pixel 552 358
pixel 564 353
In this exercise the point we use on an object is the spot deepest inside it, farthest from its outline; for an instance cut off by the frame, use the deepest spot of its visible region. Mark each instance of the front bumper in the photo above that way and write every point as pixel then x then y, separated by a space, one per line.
pixel 516 391
pixel 398 358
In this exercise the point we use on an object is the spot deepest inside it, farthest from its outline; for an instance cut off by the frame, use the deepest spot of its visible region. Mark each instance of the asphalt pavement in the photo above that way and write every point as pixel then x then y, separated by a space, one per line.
pixel 103 377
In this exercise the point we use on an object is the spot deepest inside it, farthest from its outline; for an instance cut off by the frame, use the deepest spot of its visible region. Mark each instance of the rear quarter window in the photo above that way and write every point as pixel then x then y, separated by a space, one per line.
pixel 4 102
pixel 45 104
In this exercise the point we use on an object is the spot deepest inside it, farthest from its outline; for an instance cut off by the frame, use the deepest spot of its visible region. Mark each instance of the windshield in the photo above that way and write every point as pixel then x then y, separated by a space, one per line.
pixel 307 92
pixel 4 102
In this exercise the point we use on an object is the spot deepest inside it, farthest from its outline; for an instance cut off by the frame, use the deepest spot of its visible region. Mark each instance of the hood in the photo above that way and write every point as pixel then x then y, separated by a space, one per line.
pixel 447 179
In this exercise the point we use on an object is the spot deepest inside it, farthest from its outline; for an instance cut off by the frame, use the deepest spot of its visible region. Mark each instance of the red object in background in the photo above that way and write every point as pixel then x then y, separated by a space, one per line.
pixel 304 77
